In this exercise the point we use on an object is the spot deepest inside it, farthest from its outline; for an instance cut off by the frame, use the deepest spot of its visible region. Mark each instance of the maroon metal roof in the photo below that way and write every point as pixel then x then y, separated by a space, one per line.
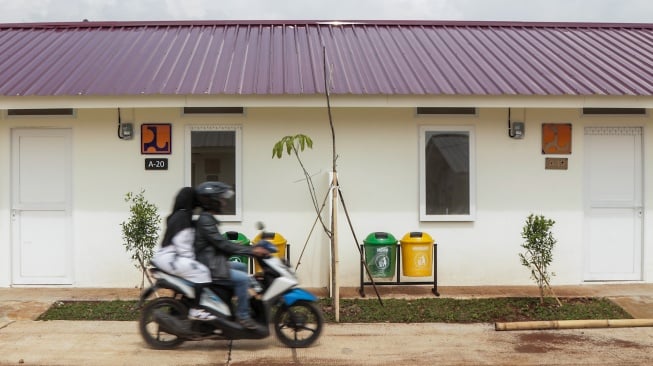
pixel 366 58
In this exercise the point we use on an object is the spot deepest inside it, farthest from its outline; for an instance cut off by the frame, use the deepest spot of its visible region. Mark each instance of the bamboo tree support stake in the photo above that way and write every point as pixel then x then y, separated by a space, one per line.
pixel 360 250
pixel 334 247
pixel 317 218
pixel 548 285
pixel 145 274
pixel 149 279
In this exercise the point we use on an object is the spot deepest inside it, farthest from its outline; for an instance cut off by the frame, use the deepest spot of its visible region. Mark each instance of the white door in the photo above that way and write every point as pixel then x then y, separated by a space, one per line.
pixel 40 210
pixel 613 203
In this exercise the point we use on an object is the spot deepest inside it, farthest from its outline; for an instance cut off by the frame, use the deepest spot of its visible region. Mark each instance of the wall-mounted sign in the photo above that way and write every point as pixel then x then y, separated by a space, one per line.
pixel 556 138
pixel 556 163
pixel 156 138
pixel 156 164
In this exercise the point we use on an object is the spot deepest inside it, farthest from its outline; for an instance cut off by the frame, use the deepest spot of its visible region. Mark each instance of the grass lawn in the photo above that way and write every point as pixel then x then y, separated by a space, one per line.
pixel 443 310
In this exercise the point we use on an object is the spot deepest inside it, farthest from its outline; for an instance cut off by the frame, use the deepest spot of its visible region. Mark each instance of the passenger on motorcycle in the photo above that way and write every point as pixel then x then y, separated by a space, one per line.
pixel 213 250
pixel 177 255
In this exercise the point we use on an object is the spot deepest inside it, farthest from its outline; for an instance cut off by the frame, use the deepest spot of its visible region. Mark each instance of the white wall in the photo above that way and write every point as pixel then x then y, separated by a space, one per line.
pixel 378 170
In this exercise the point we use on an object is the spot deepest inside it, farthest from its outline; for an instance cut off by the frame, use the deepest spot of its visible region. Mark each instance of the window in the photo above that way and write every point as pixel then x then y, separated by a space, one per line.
pixel 213 154
pixel 447 173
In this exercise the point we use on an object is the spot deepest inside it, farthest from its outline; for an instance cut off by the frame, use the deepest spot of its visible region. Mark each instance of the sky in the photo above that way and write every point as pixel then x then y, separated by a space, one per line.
pixel 611 11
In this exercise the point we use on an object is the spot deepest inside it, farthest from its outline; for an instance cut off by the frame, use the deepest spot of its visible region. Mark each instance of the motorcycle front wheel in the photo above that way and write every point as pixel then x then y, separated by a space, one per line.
pixel 153 332
pixel 298 325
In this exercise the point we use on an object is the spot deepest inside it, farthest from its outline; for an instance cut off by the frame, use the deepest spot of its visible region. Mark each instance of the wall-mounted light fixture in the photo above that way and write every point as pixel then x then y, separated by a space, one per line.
pixel 125 130
pixel 516 130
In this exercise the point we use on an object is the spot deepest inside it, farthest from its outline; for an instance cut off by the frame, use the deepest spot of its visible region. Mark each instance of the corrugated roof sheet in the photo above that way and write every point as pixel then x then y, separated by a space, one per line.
pixel 365 58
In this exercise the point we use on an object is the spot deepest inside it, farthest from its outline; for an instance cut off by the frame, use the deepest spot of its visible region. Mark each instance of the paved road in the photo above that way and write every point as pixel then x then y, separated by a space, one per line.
pixel 27 342
pixel 71 343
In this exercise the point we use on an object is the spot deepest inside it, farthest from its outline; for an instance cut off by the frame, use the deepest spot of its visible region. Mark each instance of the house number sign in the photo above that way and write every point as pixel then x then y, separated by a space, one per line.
pixel 156 164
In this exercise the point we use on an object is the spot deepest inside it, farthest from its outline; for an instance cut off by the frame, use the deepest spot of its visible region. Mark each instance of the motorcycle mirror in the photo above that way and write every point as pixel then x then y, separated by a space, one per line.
pixel 260 225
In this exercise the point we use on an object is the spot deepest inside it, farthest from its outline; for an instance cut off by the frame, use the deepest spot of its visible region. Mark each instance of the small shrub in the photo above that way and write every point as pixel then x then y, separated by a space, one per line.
pixel 140 232
pixel 539 243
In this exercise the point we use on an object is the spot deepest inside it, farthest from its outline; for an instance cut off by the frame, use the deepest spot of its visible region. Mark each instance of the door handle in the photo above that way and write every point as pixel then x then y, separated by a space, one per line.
pixel 14 213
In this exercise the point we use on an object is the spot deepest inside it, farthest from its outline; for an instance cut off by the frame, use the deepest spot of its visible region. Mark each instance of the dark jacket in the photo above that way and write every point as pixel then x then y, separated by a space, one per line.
pixel 212 249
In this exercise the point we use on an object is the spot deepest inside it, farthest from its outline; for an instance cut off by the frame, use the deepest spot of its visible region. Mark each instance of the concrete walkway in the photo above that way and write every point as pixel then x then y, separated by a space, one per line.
pixel 27 342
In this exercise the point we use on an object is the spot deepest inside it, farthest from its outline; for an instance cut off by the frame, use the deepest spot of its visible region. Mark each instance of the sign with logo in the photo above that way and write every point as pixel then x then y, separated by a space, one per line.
pixel 556 138
pixel 156 138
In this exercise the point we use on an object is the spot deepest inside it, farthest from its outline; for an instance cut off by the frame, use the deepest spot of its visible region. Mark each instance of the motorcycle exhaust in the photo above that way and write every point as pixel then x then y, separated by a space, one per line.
pixel 235 330
pixel 173 325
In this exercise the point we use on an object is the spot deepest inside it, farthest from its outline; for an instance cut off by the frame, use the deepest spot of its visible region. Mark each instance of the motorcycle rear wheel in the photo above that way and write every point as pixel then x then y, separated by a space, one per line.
pixel 298 325
pixel 152 332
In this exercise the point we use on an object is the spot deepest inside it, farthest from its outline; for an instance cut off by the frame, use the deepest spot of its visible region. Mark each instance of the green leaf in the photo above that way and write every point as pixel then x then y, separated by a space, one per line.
pixel 292 144
pixel 277 150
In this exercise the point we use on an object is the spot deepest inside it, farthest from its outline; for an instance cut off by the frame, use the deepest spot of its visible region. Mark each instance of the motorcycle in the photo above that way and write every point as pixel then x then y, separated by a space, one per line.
pixel 277 299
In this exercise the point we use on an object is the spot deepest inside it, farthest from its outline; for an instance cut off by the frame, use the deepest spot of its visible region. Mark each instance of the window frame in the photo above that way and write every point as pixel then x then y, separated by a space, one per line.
pixel 470 131
pixel 39 112
pixel 446 111
pixel 203 111
pixel 237 129
pixel 613 111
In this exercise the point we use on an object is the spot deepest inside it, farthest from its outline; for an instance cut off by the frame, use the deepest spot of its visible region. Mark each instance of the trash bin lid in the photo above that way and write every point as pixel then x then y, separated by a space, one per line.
pixel 380 238
pixel 236 237
pixel 274 238
pixel 417 237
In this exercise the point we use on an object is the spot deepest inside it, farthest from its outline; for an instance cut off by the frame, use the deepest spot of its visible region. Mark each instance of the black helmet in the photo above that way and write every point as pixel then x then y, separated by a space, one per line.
pixel 211 195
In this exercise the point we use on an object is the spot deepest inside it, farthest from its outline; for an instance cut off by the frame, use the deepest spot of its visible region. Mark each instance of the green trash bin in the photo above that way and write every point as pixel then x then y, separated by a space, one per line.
pixel 241 239
pixel 381 254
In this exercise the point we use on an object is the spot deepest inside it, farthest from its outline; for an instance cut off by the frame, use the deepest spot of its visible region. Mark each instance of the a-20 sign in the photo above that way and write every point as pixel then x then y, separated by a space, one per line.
pixel 156 164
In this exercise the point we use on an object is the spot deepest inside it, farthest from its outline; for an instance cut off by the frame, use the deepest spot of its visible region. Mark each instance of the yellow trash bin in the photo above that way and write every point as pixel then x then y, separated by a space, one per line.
pixel 277 240
pixel 417 254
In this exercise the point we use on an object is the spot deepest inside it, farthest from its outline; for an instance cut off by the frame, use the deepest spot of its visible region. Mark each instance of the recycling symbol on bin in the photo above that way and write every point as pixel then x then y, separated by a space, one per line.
pixel 381 261
pixel 420 260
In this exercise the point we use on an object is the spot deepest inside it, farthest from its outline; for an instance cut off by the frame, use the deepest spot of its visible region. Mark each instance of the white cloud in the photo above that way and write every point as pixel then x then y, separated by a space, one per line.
pixel 512 10
pixel 558 10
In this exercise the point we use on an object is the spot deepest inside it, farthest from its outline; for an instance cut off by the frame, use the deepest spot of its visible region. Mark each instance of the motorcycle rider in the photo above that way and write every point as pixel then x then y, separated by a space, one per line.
pixel 177 255
pixel 213 249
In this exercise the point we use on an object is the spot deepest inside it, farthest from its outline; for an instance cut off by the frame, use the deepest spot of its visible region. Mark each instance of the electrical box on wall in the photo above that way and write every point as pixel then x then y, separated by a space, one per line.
pixel 555 163
pixel 517 130
pixel 126 131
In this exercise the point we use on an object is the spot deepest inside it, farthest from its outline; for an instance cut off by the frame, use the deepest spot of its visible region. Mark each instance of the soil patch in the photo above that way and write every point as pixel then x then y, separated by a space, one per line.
pixel 542 342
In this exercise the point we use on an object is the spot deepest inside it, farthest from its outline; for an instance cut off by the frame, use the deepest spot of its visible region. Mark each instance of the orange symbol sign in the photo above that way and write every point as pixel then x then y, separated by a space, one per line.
pixel 556 138
pixel 156 138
